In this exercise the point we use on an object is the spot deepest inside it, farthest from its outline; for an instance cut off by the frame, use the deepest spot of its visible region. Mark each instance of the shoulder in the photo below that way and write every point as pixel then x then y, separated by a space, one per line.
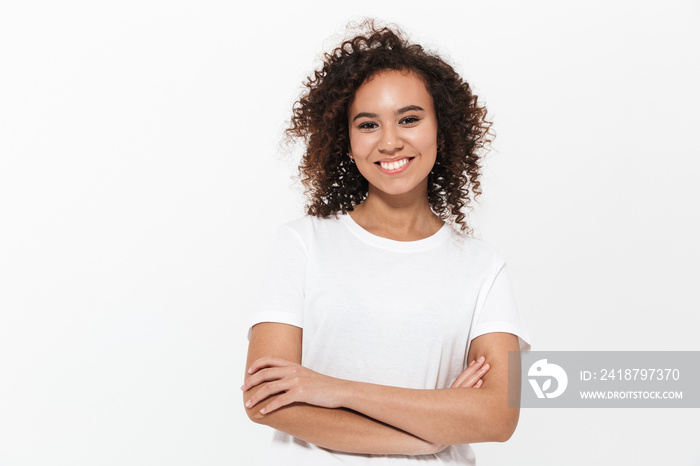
pixel 476 252
pixel 475 247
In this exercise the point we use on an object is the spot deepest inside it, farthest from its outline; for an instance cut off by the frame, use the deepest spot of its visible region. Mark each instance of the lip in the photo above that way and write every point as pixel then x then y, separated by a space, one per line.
pixel 397 170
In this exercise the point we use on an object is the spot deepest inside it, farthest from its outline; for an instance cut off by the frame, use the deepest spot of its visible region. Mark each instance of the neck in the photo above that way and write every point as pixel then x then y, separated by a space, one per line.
pixel 405 217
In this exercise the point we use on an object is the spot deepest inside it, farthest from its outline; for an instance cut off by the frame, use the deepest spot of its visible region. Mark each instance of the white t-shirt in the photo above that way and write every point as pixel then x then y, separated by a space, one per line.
pixel 383 311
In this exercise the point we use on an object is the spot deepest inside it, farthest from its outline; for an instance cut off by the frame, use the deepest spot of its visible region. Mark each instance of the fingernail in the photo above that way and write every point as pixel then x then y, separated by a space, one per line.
pixel 248 404
pixel 243 387
pixel 262 411
pixel 472 362
pixel 481 359
pixel 486 366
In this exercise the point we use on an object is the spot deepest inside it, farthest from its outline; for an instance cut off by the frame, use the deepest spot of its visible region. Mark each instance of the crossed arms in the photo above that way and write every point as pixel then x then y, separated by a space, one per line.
pixel 357 417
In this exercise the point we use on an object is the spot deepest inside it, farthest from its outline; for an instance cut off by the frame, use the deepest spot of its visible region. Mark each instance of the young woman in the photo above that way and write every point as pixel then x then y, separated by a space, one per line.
pixel 383 330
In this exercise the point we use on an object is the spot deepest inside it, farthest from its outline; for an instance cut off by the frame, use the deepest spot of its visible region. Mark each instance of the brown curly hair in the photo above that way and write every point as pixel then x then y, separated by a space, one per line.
pixel 332 183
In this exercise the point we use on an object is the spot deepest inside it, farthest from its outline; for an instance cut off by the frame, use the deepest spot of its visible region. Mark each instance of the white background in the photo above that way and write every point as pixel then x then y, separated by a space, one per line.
pixel 141 181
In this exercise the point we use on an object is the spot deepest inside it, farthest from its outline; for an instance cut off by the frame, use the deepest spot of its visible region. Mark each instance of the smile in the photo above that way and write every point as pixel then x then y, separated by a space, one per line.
pixel 394 166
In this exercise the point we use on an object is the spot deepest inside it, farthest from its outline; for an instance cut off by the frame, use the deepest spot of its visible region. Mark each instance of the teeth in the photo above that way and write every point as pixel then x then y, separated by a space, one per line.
pixel 393 165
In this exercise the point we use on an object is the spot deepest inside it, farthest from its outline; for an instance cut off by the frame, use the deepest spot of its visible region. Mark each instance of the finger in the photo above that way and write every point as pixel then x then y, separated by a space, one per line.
pixel 470 376
pixel 268 361
pixel 279 402
pixel 463 375
pixel 479 383
pixel 475 377
pixel 264 375
pixel 471 369
pixel 270 389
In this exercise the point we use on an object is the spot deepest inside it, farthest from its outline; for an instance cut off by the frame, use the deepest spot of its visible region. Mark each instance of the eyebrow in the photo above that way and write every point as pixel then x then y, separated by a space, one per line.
pixel 408 108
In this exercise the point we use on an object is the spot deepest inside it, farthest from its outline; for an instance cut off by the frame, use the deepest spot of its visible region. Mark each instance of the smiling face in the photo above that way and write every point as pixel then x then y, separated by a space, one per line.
pixel 393 133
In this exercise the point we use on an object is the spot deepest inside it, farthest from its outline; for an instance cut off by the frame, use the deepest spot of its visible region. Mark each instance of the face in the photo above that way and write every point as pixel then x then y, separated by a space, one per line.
pixel 393 133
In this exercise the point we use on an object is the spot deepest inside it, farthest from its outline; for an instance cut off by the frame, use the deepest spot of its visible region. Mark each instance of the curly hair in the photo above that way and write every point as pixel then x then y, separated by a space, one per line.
pixel 332 183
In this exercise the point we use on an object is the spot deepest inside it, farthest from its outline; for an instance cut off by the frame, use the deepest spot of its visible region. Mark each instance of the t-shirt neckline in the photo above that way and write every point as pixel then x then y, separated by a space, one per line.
pixel 430 242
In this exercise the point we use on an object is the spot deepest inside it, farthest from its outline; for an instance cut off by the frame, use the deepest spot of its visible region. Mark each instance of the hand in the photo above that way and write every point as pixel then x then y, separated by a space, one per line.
pixel 293 383
pixel 471 377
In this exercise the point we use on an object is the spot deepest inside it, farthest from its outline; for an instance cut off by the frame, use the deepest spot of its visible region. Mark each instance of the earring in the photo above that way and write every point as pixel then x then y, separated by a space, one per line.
pixel 352 160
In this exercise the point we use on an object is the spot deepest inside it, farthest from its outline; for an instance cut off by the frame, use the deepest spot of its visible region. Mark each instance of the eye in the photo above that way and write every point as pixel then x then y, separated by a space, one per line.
pixel 411 120
pixel 367 125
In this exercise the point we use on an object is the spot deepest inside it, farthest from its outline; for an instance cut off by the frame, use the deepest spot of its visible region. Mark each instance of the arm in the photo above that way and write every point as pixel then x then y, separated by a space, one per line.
pixel 448 416
pixel 336 429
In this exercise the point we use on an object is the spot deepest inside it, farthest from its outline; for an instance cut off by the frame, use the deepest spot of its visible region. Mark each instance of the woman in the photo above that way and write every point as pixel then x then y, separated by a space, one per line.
pixel 377 316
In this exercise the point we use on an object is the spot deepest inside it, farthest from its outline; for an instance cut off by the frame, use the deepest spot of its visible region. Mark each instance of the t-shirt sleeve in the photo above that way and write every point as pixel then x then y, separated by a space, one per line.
pixel 499 312
pixel 281 297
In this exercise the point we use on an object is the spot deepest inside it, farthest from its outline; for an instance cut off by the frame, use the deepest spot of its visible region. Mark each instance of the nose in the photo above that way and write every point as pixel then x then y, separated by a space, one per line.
pixel 391 141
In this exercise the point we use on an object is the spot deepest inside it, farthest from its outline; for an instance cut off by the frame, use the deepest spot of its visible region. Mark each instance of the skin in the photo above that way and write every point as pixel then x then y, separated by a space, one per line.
pixel 392 118
pixel 338 429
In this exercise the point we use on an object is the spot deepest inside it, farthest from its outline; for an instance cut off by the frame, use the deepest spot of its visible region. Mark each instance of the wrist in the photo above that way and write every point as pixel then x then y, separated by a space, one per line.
pixel 345 392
